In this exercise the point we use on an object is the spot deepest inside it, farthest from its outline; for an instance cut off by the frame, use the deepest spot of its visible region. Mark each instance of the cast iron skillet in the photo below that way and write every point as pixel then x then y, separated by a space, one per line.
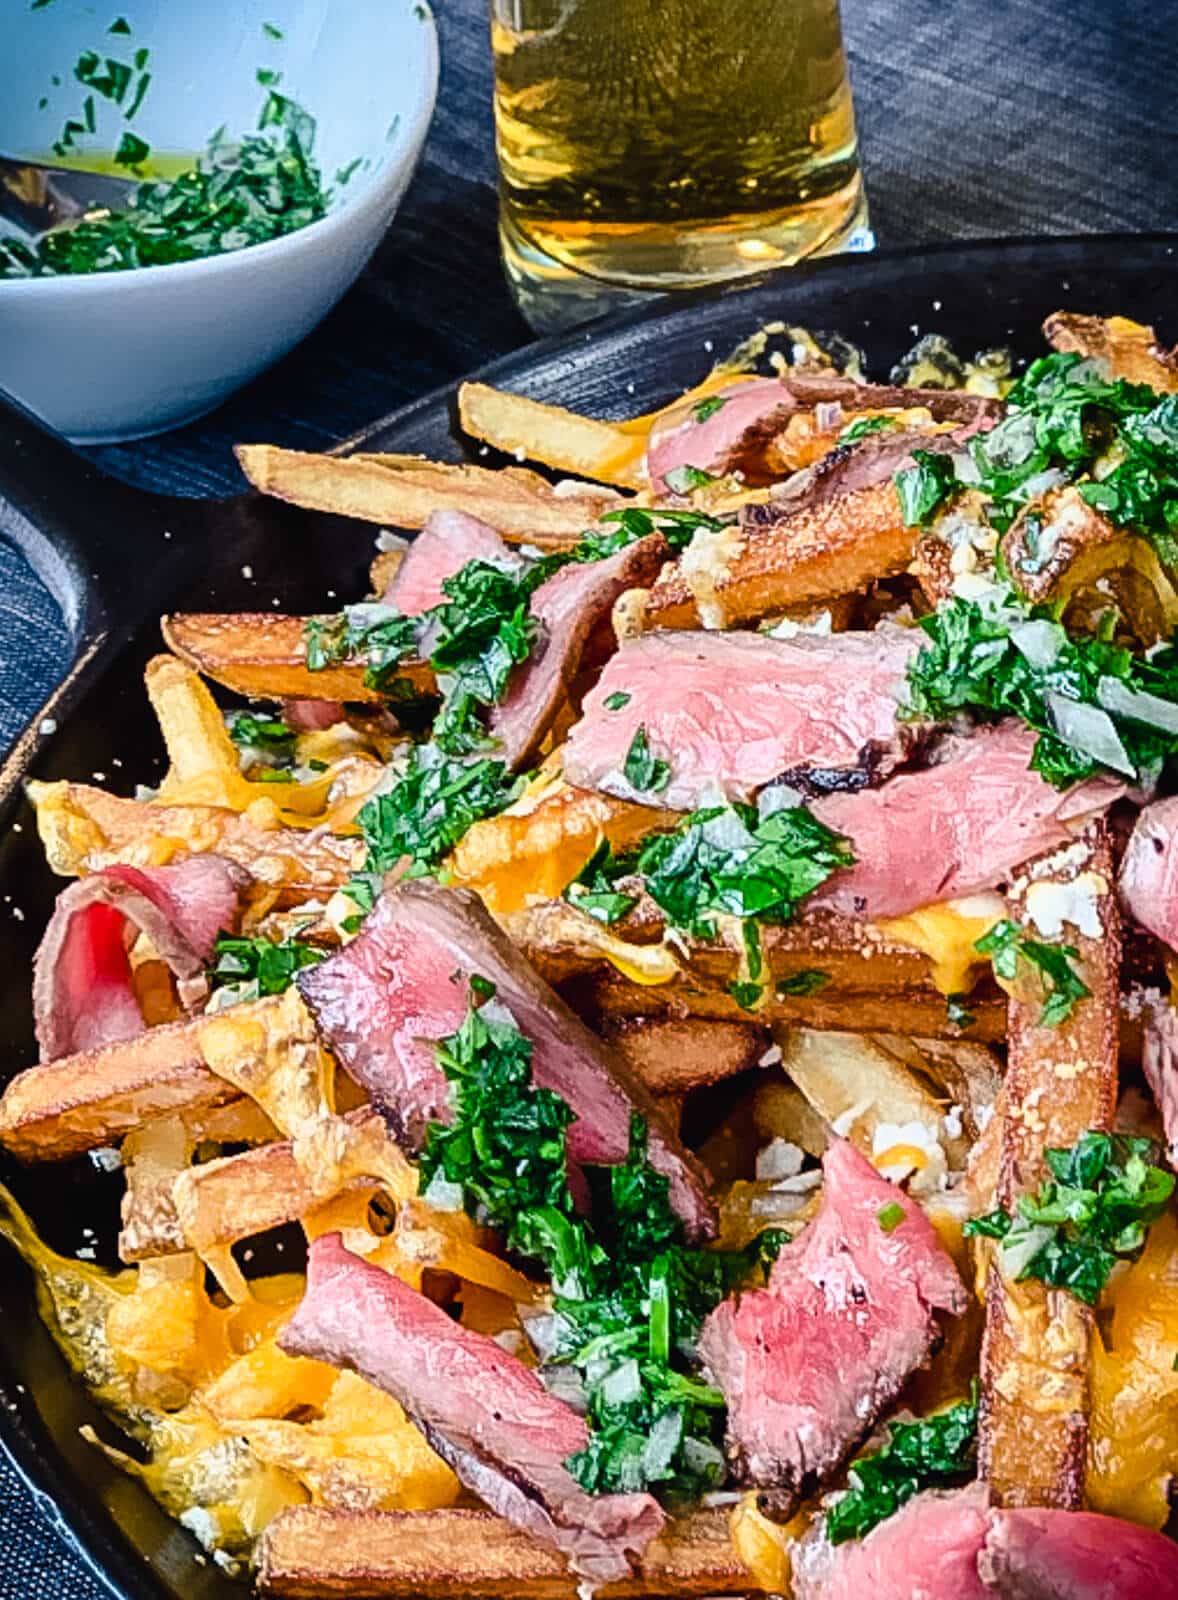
pixel 115 558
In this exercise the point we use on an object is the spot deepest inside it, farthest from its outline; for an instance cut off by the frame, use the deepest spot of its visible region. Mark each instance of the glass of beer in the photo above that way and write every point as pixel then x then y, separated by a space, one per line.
pixel 647 145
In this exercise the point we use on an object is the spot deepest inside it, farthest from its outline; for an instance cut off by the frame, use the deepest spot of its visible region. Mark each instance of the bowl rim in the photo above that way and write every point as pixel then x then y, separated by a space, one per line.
pixel 405 147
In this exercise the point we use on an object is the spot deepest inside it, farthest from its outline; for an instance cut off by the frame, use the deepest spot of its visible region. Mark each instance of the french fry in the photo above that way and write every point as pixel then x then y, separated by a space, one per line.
pixel 610 452
pixel 264 656
pixel 150 1225
pixel 1061 549
pixel 1129 349
pixel 780 560
pixel 205 769
pixel 1060 1082
pixel 308 1554
pixel 920 1011
pixel 401 492
pixel 853 1082
pixel 86 1101
pixel 84 828
pixel 672 1054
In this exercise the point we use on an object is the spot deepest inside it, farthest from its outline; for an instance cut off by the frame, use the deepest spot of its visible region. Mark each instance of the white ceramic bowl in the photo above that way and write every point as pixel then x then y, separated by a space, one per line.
pixel 117 355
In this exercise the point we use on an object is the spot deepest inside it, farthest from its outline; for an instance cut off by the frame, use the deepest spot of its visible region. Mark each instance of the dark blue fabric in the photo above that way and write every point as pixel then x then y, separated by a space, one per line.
pixel 980 118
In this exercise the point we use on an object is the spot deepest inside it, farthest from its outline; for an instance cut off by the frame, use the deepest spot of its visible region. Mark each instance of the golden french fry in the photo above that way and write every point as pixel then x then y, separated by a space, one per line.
pixel 780 560
pixel 1129 349
pixel 83 829
pixel 204 763
pixel 1060 1082
pixel 402 491
pixel 610 452
pixel 309 1552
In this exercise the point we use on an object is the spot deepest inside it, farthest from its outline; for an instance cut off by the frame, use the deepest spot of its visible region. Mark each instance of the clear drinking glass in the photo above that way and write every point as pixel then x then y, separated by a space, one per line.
pixel 647 145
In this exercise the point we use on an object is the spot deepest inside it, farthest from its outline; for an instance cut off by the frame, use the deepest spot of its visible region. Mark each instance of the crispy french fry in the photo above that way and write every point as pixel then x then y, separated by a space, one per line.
pixel 781 559
pixel 919 1011
pixel 401 492
pixel 1129 349
pixel 853 1082
pixel 1060 1082
pixel 1061 549
pixel 150 1224
pixel 86 1101
pixel 225 1200
pixel 610 452
pixel 671 1054
pixel 205 769
pixel 84 828
pixel 264 656
pixel 308 1553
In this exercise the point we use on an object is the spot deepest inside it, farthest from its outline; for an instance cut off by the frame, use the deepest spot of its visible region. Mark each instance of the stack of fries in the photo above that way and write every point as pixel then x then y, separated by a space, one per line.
pixel 233 1121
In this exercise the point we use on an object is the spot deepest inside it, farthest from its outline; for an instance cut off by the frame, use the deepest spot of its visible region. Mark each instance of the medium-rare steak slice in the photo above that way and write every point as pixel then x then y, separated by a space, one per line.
pixel 1149 871
pixel 481 1409
pixel 928 1550
pixel 83 996
pixel 402 984
pixel 955 1547
pixel 960 825
pixel 808 1364
pixel 446 543
pixel 730 712
pixel 570 606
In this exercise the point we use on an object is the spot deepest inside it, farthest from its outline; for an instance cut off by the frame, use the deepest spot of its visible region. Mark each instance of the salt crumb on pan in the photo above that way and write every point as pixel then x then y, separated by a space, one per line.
pixel 167 533
pixel 18 913
pixel 247 571
pixel 48 725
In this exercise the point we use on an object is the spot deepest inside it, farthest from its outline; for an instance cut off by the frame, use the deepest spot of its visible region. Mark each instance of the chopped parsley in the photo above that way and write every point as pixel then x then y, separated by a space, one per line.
pixel 958 1012
pixel 703 409
pixel 1007 945
pixel 593 891
pixel 423 816
pixel 863 426
pixel 890 1216
pixel 932 1452
pixel 924 487
pixel 684 479
pixel 237 194
pixel 1093 703
pixel 645 772
pixel 726 861
pixel 260 966
pixel 615 701
pixel 1117 440
pixel 630 1297
pixel 268 734
pixel 807 982
pixel 1098 1204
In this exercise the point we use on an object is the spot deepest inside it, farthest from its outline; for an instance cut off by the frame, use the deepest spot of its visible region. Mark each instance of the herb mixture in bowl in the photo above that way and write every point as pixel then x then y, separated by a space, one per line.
pixel 238 193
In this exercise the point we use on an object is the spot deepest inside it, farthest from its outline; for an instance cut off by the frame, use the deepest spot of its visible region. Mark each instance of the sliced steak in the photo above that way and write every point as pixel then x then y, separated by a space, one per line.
pixel 957 826
pixel 927 1551
pixel 943 405
pixel 807 1364
pixel 954 1547
pixel 1036 1554
pixel 681 439
pixel 731 712
pixel 402 984
pixel 569 607
pixel 83 996
pixel 1159 1062
pixel 1149 871
pixel 448 541
pixel 481 1409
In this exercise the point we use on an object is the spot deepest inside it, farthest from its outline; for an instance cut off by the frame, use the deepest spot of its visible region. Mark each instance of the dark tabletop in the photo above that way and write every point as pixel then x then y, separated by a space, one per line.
pixel 982 118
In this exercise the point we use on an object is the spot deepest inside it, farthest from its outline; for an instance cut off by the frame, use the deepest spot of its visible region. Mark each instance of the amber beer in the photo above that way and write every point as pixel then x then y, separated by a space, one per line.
pixel 647 145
